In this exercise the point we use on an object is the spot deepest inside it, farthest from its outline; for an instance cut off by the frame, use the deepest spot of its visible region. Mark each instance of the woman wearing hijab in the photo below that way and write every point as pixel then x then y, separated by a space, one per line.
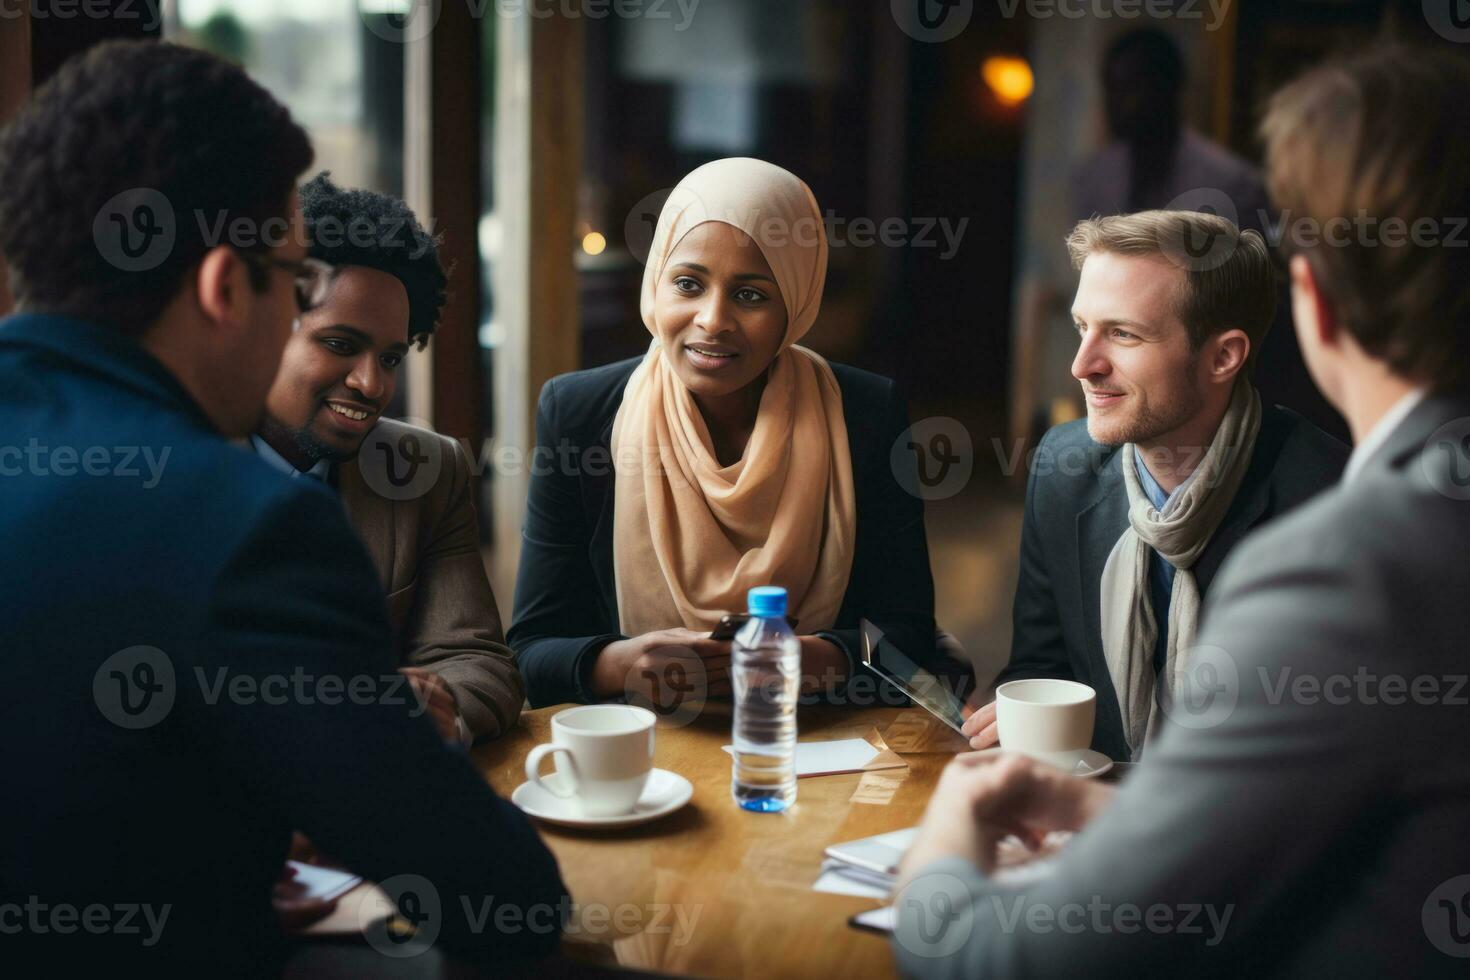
pixel 727 457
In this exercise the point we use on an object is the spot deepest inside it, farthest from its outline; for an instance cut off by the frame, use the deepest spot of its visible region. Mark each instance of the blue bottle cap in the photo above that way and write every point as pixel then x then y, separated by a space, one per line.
pixel 767 601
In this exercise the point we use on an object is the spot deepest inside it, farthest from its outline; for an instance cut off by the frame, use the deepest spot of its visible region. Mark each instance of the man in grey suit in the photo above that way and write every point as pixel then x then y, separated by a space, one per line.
pixel 1306 808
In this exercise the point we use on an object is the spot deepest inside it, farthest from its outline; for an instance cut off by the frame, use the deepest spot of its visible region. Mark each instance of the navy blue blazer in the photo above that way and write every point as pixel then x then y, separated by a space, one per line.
pixel 263 698
pixel 566 607
pixel 1077 509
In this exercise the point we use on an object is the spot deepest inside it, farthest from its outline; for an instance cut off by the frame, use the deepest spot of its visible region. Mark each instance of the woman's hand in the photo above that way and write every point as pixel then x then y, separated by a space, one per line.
pixel 823 664
pixel 665 668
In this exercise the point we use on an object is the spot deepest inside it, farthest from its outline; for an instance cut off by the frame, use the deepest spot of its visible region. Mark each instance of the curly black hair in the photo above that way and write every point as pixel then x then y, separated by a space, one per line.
pixel 358 227
pixel 138 137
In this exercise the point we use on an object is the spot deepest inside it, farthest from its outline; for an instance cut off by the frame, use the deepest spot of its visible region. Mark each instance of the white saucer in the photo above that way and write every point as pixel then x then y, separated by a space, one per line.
pixel 1083 763
pixel 664 793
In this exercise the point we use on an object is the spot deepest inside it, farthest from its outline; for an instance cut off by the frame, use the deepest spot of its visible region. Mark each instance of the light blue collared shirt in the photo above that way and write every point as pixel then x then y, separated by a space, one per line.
pixel 1160 572
pixel 321 471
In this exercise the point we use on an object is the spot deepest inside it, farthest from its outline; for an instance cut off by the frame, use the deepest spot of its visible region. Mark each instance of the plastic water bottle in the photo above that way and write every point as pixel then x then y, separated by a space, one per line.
pixel 765 665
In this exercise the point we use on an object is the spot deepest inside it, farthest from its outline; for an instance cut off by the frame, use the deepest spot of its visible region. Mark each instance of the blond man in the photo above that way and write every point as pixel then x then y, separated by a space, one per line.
pixel 1130 513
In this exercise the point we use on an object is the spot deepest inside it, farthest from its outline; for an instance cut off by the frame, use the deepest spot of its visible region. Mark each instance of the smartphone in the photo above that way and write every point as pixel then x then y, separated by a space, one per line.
pixel 918 685
pixel 730 624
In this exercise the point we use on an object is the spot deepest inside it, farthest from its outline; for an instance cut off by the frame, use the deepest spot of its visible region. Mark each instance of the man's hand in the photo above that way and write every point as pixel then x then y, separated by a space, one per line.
pixel 666 667
pixel 294 911
pixel 432 691
pixel 983 797
pixel 980 727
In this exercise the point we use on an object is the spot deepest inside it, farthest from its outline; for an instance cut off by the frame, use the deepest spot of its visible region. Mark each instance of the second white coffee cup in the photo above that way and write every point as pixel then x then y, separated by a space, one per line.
pixel 604 753
pixel 1044 715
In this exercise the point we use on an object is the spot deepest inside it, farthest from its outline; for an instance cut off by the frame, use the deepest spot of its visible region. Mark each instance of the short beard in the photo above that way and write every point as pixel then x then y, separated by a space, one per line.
pixel 308 446
pixel 1150 423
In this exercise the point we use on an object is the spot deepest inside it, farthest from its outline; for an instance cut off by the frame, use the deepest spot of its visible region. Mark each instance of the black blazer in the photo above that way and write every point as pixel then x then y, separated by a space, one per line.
pixel 566 606
pixel 1077 508
pixel 143 580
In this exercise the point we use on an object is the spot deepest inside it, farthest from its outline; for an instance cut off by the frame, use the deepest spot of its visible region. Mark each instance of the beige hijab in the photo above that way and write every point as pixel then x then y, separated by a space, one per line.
pixel 690 536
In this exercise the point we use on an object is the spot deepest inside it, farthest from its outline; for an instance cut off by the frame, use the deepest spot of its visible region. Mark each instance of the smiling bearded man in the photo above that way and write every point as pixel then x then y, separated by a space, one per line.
pixel 407 490
pixel 1130 513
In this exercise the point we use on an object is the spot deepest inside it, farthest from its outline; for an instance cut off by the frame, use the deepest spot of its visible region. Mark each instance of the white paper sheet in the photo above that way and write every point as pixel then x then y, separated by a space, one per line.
pixel 839 879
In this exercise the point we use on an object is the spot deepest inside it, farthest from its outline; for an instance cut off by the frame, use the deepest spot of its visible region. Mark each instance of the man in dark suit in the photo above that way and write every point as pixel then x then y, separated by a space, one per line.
pixel 196 653
pixel 1130 513
pixel 407 490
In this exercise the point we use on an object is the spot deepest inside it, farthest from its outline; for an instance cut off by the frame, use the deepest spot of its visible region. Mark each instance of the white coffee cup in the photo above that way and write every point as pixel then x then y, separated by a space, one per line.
pixel 1045 715
pixel 604 753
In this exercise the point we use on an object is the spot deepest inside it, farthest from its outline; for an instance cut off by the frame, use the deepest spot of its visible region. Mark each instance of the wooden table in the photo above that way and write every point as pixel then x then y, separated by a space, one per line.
pixel 713 890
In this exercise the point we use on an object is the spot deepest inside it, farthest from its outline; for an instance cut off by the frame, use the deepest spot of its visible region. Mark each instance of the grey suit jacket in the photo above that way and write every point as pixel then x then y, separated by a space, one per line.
pixel 410 498
pixel 1314 792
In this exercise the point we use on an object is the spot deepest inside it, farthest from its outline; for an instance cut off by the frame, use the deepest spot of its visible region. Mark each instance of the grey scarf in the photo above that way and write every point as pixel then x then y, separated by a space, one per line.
pixel 1180 534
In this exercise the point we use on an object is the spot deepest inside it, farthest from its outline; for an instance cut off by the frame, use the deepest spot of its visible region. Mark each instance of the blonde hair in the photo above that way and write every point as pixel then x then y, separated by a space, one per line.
pixel 1231 284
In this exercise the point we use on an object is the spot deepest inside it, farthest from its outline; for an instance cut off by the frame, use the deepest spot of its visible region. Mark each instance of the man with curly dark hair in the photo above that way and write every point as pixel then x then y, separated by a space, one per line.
pixel 337 377
pixel 195 651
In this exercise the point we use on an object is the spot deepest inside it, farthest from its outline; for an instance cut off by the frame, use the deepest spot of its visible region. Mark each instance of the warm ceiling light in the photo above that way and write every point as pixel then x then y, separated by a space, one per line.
pixel 1009 78
pixel 593 243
